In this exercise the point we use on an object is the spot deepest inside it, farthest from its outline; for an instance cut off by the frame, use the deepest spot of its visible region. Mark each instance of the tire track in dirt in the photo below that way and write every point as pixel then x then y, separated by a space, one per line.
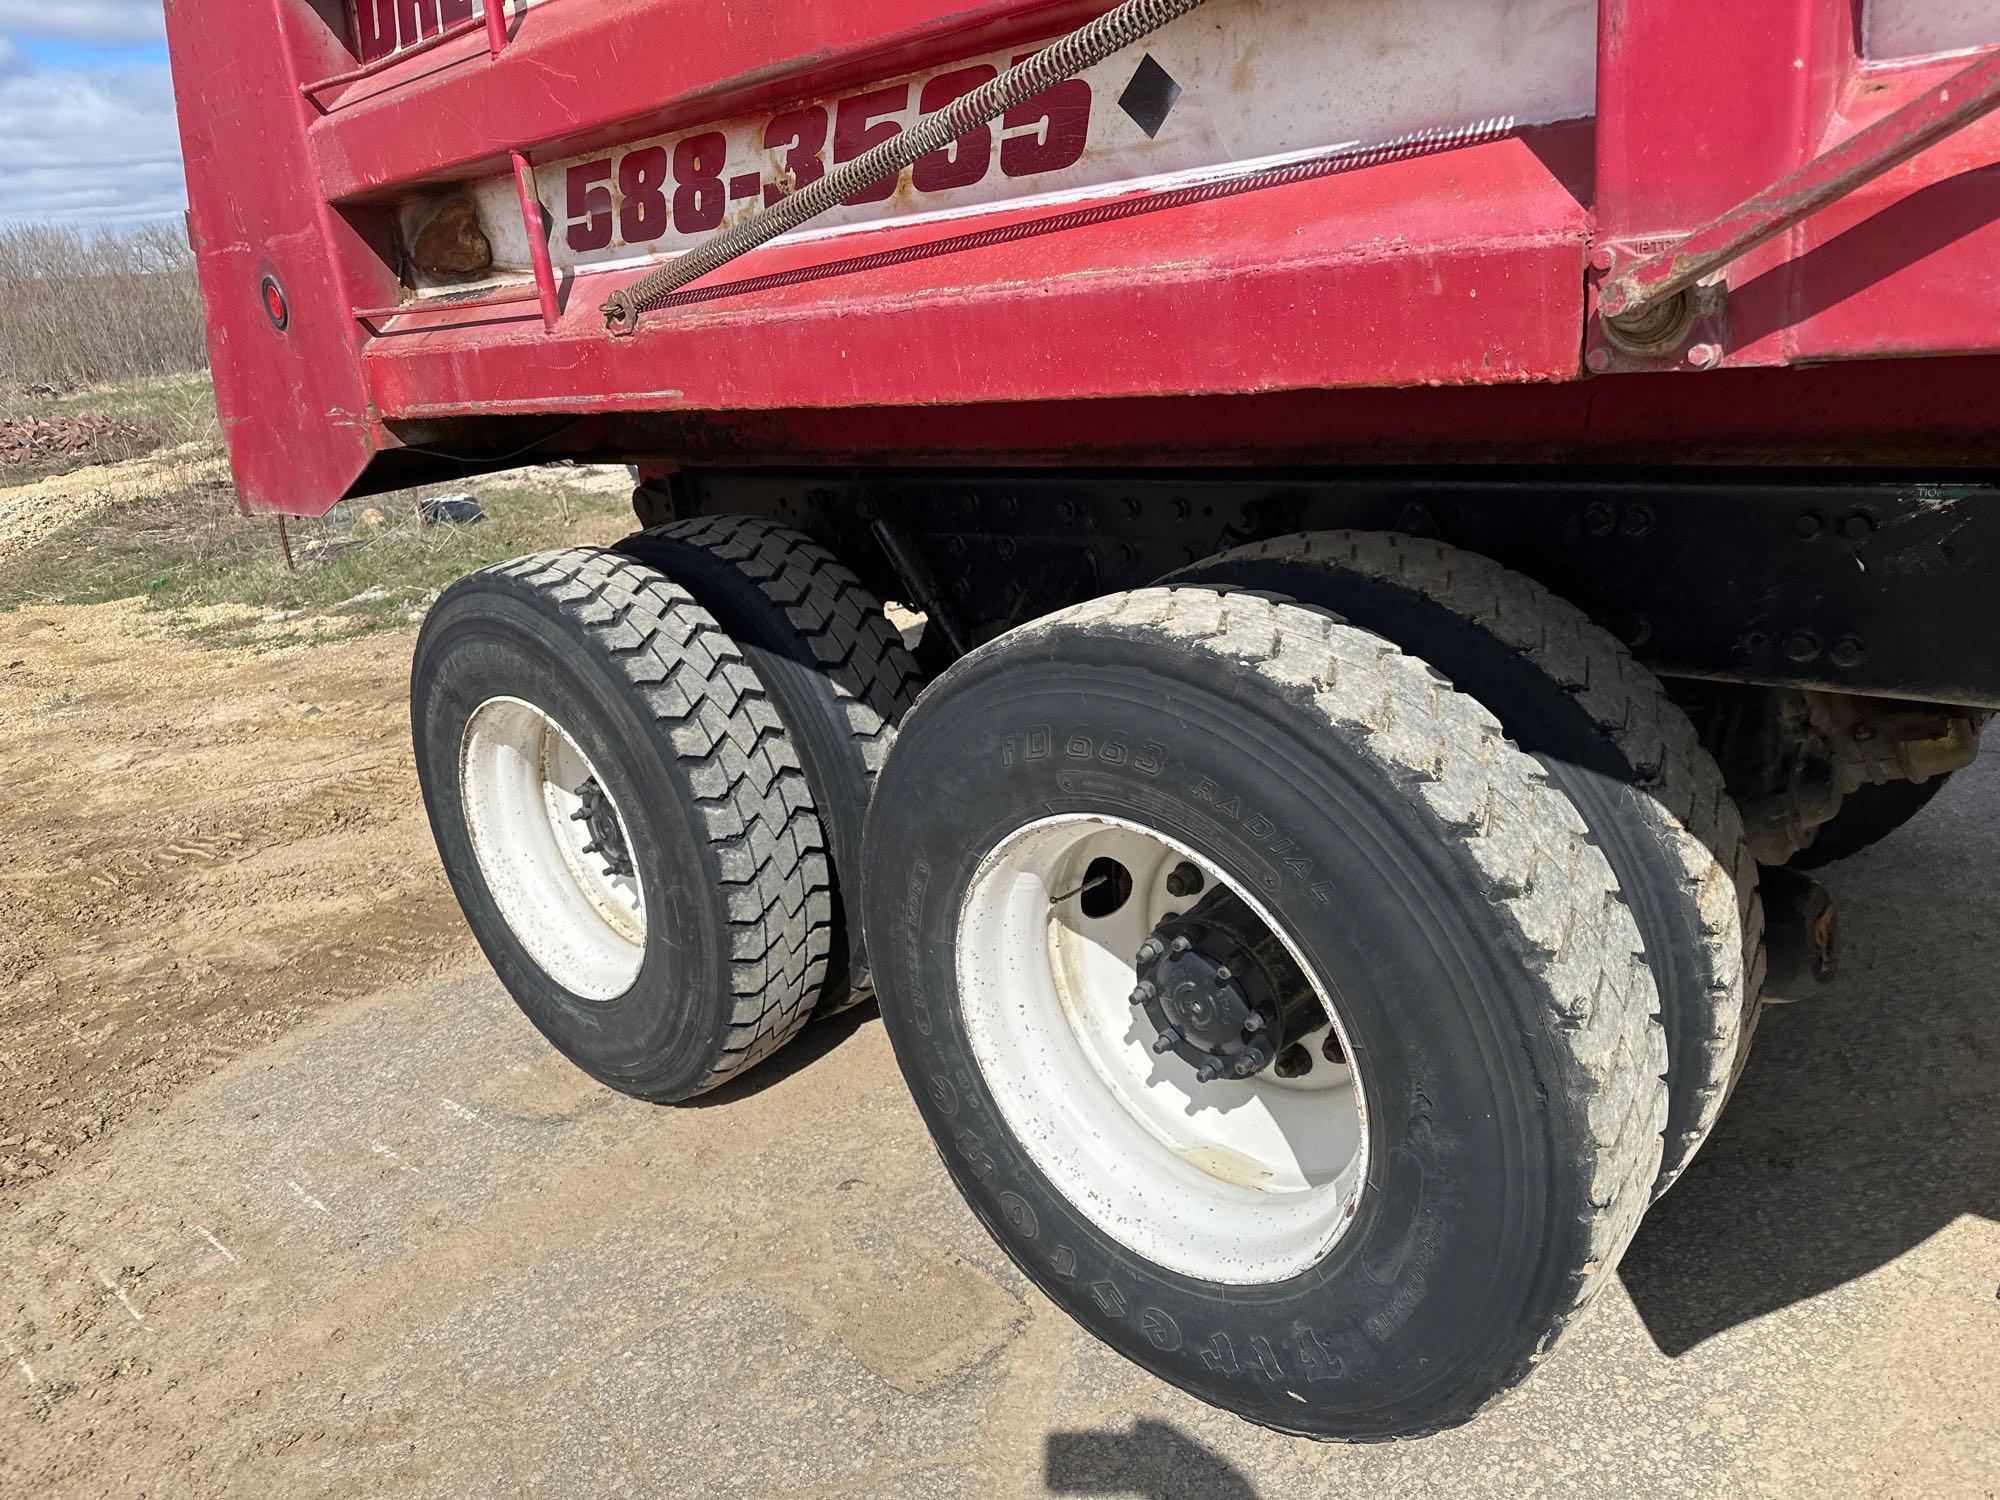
pixel 198 850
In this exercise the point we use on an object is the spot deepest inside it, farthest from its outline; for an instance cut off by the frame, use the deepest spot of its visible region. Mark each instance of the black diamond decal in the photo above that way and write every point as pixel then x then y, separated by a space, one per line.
pixel 1149 97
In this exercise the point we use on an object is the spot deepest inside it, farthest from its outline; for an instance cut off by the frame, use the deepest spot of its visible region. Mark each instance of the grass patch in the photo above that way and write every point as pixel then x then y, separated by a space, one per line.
pixel 180 408
pixel 367 565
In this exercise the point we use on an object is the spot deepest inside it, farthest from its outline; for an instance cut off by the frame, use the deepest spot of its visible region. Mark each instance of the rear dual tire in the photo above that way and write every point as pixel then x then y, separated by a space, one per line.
pixel 706 707
pixel 1480 969
pixel 836 670
pixel 710 954
pixel 1604 730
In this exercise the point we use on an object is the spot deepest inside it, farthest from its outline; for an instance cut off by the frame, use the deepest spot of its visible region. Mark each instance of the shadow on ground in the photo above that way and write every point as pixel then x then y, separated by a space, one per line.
pixel 1869 1118
pixel 822 1034
pixel 1154 1461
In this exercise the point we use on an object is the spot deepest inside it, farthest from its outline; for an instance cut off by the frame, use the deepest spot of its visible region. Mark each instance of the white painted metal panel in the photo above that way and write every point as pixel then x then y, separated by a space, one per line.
pixel 1922 28
pixel 1235 87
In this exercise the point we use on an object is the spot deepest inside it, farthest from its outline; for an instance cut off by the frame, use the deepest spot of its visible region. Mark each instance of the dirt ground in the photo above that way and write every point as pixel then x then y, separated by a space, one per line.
pixel 406 1250
pixel 31 513
pixel 296 1202
pixel 201 849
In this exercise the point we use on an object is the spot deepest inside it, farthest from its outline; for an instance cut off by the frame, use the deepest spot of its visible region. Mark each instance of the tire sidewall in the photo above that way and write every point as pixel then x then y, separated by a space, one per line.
pixel 1471 1219
pixel 500 639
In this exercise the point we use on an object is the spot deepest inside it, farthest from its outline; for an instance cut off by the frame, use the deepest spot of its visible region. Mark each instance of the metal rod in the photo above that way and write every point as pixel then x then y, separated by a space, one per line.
pixel 285 541
pixel 914 570
pixel 496 26
pixel 1063 58
pixel 407 309
pixel 538 242
pixel 1942 110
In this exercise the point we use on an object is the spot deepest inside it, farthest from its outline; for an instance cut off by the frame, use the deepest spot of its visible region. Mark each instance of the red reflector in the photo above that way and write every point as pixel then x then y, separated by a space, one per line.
pixel 274 304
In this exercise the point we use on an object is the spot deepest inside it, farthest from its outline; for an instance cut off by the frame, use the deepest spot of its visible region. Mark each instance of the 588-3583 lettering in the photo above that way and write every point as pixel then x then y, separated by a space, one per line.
pixel 685 187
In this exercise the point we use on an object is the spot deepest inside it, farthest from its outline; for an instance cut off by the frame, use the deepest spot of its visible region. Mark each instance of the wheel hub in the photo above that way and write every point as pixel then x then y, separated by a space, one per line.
pixel 1220 991
pixel 600 820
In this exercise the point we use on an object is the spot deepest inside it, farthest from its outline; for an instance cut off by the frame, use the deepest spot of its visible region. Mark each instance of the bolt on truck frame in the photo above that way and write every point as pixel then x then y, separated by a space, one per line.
pixel 1429 515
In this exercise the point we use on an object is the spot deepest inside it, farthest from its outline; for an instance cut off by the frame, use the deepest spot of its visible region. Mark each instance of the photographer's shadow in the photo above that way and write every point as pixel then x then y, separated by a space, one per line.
pixel 1154 1461
pixel 1869 1118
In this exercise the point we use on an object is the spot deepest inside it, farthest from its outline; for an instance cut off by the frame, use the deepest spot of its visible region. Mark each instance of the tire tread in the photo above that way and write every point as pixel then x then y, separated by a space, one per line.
pixel 863 679
pixel 1527 848
pixel 841 623
pixel 1688 809
pixel 749 793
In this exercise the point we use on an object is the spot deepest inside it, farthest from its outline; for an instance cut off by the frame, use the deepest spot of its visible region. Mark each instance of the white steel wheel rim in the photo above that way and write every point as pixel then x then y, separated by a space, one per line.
pixel 1233 1181
pixel 520 781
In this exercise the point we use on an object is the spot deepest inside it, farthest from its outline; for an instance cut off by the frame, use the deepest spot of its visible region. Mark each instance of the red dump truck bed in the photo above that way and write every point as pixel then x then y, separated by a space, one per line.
pixel 1279 231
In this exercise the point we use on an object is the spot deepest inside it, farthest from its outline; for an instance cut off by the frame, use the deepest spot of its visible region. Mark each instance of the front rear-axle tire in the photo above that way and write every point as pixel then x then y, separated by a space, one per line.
pixel 1101 841
pixel 623 819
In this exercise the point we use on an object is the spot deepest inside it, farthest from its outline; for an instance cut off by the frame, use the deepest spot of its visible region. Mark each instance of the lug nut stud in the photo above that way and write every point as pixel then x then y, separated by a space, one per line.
pixel 1181 945
pixel 1165 1041
pixel 1330 1049
pixel 1142 992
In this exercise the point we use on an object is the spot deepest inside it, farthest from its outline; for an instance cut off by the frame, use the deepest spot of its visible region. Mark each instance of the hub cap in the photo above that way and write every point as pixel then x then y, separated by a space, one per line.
pixel 1130 1047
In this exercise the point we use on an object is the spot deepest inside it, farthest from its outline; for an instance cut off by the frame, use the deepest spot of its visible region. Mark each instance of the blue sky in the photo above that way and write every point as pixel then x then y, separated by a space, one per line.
pixel 87 131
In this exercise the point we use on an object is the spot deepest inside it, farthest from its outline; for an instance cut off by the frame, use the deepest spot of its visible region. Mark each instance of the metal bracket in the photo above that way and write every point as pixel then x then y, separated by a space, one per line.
pixel 1686 261
pixel 1660 304
pixel 1688 331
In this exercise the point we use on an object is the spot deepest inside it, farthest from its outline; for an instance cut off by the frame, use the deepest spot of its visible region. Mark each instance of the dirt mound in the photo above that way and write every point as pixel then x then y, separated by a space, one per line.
pixel 30 439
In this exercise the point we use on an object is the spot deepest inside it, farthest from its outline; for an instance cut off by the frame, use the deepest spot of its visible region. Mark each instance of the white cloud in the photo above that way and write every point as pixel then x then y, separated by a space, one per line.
pixel 88 145
pixel 114 23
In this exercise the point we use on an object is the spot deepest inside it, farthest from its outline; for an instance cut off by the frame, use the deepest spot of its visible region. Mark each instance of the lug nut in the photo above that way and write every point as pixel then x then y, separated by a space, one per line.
pixel 1181 945
pixel 1207 1073
pixel 1149 950
pixel 1245 1066
pixel 1254 1022
pixel 1184 880
pixel 1330 1049
pixel 1166 1041
pixel 1293 1062
pixel 1222 973
pixel 1143 991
